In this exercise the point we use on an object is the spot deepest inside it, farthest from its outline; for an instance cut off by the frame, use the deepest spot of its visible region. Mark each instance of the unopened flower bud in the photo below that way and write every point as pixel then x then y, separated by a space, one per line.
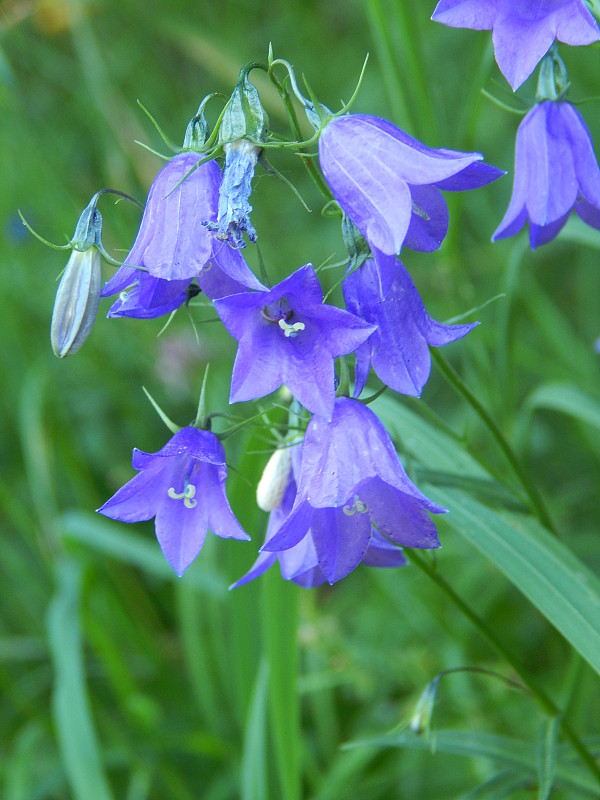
pixel 274 480
pixel 76 303
pixel 421 719
pixel 244 117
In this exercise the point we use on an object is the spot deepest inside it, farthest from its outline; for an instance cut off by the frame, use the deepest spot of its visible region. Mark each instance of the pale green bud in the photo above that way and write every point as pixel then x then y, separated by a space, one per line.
pixel 76 303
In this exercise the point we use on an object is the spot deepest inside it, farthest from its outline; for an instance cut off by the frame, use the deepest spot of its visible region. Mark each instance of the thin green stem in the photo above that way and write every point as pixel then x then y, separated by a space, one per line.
pixel 308 161
pixel 537 503
pixel 543 700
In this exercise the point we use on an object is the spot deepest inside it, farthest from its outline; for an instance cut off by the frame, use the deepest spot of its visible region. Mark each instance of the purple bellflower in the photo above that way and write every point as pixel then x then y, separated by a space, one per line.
pixel 300 563
pixel 556 171
pixel 145 297
pixel 172 242
pixel 399 348
pixel 388 183
pixel 287 335
pixel 522 30
pixel 351 480
pixel 183 486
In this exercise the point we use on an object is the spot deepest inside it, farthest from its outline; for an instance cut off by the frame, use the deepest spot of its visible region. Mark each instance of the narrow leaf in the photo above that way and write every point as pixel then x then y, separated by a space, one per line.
pixel 547 744
pixel 70 705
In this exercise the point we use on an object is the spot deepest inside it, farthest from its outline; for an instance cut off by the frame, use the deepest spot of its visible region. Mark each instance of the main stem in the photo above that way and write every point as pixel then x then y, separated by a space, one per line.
pixel 535 498
pixel 543 700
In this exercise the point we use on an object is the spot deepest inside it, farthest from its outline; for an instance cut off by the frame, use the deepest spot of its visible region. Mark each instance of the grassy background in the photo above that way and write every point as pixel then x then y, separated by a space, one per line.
pixel 118 680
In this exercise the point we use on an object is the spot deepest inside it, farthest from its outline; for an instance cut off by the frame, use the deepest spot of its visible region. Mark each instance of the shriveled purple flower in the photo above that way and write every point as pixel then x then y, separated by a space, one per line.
pixel 522 30
pixel 300 563
pixel 388 183
pixel 399 347
pixel 556 171
pixel 183 486
pixel 287 335
pixel 234 205
pixel 351 480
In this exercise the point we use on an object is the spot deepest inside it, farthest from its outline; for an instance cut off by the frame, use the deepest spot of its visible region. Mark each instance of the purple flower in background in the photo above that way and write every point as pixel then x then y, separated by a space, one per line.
pixel 351 479
pixel 388 183
pixel 287 335
pixel 300 563
pixel 183 486
pixel 556 171
pixel 399 348
pixel 522 30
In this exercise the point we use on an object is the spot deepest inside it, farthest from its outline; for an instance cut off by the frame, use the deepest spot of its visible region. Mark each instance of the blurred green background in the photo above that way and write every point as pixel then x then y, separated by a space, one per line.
pixel 119 680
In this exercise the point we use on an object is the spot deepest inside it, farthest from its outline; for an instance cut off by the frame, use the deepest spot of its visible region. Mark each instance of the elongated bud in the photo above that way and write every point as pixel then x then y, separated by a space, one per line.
pixel 420 722
pixel 274 480
pixel 76 303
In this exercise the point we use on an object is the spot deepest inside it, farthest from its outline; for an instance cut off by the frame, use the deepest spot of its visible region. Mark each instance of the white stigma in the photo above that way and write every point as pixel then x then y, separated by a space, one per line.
pixel 291 330
pixel 187 495
pixel 357 507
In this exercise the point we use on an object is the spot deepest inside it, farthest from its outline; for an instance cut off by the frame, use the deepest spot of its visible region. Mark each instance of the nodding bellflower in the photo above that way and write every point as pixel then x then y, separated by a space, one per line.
pixel 399 348
pixel 388 183
pixel 300 564
pixel 351 480
pixel 172 242
pixel 522 30
pixel 183 486
pixel 287 335
pixel 556 171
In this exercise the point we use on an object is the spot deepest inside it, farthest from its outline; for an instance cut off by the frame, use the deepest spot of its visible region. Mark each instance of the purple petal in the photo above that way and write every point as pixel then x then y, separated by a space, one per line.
pixel 429 221
pixel 232 263
pixel 138 499
pixel 172 242
pixel 123 277
pixel 475 14
pixel 401 518
pixel 340 541
pixel 381 553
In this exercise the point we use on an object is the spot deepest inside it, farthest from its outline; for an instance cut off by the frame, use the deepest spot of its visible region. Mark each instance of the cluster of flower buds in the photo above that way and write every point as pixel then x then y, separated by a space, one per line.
pixel 335 489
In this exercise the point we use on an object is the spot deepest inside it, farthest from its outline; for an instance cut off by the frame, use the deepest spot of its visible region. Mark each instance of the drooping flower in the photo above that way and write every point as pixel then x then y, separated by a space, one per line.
pixel 351 480
pixel 183 486
pixel 172 242
pixel 388 183
pixel 287 335
pixel 300 563
pixel 556 171
pixel 522 30
pixel 399 347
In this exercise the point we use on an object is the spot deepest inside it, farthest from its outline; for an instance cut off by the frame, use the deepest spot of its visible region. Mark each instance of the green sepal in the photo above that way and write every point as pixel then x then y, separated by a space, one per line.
pixel 244 117
pixel 553 83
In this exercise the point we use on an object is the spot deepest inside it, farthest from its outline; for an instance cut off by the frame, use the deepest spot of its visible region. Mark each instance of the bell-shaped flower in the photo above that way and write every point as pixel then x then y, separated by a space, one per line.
pixel 388 183
pixel 287 335
pixel 399 347
pixel 173 242
pixel 556 171
pixel 522 30
pixel 300 563
pixel 351 479
pixel 183 486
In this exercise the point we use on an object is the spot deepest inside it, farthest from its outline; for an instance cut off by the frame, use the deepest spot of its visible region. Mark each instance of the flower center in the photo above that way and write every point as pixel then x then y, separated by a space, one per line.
pixel 187 495
pixel 283 315
pixel 357 507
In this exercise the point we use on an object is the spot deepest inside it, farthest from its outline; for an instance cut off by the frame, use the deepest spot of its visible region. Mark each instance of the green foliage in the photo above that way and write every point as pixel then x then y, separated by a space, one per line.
pixel 120 680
